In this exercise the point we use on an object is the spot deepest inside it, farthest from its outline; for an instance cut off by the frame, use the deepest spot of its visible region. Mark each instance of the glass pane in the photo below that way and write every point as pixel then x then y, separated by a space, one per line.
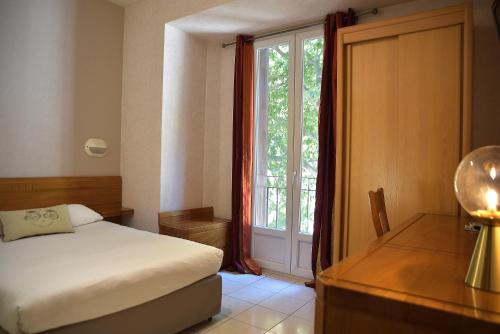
pixel 271 137
pixel 311 88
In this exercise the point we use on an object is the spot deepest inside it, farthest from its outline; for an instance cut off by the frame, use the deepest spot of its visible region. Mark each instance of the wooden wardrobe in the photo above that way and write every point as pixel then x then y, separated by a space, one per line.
pixel 403 118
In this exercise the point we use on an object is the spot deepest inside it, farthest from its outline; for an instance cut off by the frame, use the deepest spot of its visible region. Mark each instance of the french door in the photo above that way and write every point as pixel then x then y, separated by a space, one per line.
pixel 287 86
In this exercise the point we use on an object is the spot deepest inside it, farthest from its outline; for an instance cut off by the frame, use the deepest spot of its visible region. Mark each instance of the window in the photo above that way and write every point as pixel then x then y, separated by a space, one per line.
pixel 311 89
pixel 272 137
pixel 287 90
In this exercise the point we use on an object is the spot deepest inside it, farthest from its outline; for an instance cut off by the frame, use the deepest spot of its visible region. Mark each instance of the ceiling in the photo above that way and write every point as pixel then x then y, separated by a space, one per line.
pixel 223 22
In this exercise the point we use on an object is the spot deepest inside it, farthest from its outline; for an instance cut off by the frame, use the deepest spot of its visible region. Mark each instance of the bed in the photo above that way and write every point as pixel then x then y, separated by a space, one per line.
pixel 104 278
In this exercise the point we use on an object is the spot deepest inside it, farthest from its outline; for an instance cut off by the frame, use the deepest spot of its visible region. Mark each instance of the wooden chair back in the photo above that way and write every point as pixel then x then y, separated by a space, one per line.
pixel 379 213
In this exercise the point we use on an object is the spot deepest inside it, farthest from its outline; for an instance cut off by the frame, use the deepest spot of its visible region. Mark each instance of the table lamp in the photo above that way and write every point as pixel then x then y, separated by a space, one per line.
pixel 477 187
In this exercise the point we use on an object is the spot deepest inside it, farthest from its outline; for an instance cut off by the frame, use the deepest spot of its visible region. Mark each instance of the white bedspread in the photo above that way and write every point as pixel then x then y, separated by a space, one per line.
pixel 55 280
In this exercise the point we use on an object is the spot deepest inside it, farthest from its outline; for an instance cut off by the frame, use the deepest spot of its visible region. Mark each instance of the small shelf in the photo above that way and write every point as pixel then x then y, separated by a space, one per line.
pixel 117 212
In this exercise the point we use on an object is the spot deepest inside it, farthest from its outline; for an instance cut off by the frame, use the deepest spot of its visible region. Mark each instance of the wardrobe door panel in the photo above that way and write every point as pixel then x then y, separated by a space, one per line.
pixel 373 114
pixel 429 104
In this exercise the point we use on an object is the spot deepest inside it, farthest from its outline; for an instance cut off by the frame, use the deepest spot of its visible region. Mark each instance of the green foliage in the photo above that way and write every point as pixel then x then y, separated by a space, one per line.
pixel 313 55
pixel 277 117
pixel 313 61
pixel 277 127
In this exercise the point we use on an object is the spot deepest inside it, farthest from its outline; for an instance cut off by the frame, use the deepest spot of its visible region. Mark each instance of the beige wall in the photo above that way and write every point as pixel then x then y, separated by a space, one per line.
pixel 218 129
pixel 142 102
pixel 486 66
pixel 185 64
pixel 196 124
pixel 60 83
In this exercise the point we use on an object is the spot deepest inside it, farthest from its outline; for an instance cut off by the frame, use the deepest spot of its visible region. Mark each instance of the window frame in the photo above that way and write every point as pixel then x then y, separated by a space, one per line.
pixel 296 257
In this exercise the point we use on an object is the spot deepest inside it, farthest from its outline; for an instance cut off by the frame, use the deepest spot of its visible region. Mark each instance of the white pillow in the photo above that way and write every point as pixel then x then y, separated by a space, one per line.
pixel 82 215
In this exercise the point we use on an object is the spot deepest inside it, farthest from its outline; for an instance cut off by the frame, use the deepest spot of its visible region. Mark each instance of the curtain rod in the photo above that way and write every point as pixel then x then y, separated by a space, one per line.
pixel 372 11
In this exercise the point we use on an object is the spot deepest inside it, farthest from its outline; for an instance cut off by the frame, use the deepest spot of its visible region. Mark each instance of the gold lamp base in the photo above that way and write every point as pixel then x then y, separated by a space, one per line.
pixel 484 267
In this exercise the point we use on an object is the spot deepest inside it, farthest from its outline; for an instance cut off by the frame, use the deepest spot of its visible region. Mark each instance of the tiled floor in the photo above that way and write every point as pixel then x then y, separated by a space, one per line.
pixel 271 303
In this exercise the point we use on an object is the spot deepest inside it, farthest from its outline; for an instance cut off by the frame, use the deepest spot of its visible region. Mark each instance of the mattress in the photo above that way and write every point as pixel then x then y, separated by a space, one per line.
pixel 55 280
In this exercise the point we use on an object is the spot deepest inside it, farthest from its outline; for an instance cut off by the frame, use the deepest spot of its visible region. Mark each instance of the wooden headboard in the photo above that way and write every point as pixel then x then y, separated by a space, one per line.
pixel 100 193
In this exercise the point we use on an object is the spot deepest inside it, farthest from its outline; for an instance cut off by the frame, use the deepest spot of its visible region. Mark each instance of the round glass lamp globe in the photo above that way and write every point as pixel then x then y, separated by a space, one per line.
pixel 477 182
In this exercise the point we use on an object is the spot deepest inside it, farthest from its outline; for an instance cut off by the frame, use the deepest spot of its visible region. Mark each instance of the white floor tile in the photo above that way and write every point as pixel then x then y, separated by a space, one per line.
pixel 240 278
pixel 233 326
pixel 306 312
pixel 251 294
pixel 299 291
pixel 279 295
pixel 283 304
pixel 271 284
pixel 261 317
pixel 293 325
pixel 232 306
pixel 229 286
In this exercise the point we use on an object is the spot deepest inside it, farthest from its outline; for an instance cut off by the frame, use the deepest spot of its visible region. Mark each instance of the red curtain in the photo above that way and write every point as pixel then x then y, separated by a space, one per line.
pixel 241 197
pixel 325 182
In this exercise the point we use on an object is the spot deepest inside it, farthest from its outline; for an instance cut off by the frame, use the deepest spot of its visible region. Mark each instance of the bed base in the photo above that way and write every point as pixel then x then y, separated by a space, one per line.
pixel 168 314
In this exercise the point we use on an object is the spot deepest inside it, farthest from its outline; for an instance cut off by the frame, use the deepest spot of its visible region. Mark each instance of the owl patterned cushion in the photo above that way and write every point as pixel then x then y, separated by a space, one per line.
pixel 31 222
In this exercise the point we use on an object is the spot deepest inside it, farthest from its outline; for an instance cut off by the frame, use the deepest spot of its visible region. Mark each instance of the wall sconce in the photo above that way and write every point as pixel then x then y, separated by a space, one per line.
pixel 96 147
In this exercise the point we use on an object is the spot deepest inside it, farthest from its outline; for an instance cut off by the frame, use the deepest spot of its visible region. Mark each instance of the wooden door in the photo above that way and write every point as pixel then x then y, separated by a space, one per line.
pixel 403 124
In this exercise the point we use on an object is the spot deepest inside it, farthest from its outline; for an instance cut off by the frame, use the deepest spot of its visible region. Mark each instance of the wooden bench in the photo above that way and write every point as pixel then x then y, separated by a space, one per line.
pixel 198 225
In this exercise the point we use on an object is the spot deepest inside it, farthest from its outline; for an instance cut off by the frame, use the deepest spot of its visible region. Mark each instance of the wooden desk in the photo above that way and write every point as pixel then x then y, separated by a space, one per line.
pixel 410 280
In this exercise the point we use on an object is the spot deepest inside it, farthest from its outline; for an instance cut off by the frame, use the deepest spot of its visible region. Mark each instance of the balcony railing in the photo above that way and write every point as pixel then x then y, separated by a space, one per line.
pixel 275 203
pixel 307 204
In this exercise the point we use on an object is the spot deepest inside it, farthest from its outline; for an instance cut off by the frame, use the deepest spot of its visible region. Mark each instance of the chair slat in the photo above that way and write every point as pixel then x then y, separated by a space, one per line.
pixel 379 212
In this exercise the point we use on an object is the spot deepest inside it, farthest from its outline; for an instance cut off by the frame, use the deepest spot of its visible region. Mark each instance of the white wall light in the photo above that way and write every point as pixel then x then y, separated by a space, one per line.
pixel 96 147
